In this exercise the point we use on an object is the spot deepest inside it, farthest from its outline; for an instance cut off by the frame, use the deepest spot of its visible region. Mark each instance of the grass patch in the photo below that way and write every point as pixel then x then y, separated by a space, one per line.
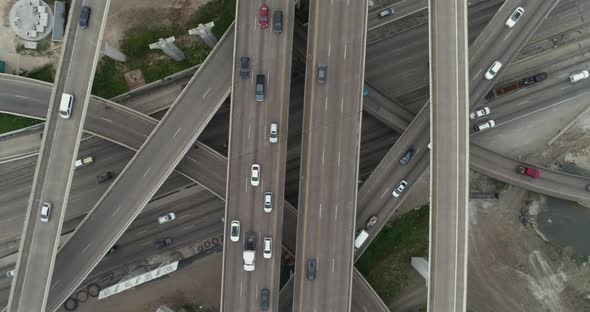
pixel 221 12
pixel 109 80
pixel 44 73
pixel 386 262
pixel 501 186
pixel 10 122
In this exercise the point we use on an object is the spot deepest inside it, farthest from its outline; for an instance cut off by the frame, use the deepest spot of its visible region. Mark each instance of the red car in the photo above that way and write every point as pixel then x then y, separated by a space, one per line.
pixel 528 171
pixel 263 16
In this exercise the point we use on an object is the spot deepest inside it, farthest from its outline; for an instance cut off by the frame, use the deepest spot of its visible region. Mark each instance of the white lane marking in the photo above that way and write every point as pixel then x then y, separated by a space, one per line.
pixel 188 227
pixel 142 232
pixel 365 309
pixel 176 133
pixel 336 213
pixel 333 264
pixel 338 159
pixel 395 50
pixel 249 130
pixel 114 213
pixel 323 154
pixel 342 105
pixel 320 211
pixel 329 48
pixel 148 171
pixel 107 120
pixel 241 288
pixel 477 75
pixel 326 104
pixel 83 251
pixel 508 35
pixel 146 243
pixel 522 102
pixel 386 191
pixel 207 92
pixel 185 215
pixel 55 284
pixel 345 48
pixel 567 87
pixel 20 97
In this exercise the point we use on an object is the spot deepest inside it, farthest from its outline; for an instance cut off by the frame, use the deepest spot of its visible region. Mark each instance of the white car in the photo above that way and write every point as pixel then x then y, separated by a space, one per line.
pixel 167 217
pixel 400 188
pixel 268 202
pixel 255 175
pixel 484 125
pixel 45 211
pixel 274 133
pixel 493 70
pixel 267 253
pixel 235 231
pixel 480 113
pixel 579 76
pixel 10 273
pixel 514 17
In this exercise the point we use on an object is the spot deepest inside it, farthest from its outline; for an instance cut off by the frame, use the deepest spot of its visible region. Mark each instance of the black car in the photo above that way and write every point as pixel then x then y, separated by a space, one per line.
pixel 311 269
pixel 244 67
pixel 104 177
pixel 113 250
pixel 264 299
pixel 407 157
pixel 161 243
pixel 534 79
pixel 84 16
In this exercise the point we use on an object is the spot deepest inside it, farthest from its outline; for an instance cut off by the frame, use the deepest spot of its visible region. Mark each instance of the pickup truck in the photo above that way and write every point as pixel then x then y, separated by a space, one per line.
pixel 250 252
pixel 528 171
pixel 515 85
pixel 83 162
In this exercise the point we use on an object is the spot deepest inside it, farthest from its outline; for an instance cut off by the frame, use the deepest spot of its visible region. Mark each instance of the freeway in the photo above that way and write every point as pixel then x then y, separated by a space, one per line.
pixel 145 173
pixel 250 142
pixel 54 170
pixel 449 172
pixel 330 156
pixel 114 114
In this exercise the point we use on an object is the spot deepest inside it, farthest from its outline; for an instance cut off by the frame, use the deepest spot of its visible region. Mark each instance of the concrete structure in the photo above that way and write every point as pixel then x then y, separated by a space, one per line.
pixel 204 31
pixel 31 20
pixel 55 165
pixel 421 265
pixel 449 156
pixel 167 45
pixel 59 21
pixel 113 53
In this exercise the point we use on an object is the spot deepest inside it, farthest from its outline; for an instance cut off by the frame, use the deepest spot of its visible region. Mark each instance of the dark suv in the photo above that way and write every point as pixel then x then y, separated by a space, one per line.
pixel 534 79
pixel 322 73
pixel 84 16
pixel 244 67
pixel 162 243
pixel 311 269
pixel 264 299
pixel 407 156
pixel 104 177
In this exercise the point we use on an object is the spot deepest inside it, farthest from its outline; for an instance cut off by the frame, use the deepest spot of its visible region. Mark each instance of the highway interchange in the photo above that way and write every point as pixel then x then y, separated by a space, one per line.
pixel 506 165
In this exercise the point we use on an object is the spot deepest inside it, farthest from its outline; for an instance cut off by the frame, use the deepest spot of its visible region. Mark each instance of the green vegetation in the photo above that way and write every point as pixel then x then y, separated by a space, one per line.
pixel 501 186
pixel 422 309
pixel 221 12
pixel 386 262
pixel 154 64
pixel 109 80
pixel 42 48
pixel 10 122
pixel 44 73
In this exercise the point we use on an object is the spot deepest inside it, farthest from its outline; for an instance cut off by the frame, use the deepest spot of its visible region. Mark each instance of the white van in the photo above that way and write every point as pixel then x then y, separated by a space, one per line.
pixel 65 106
pixel 361 237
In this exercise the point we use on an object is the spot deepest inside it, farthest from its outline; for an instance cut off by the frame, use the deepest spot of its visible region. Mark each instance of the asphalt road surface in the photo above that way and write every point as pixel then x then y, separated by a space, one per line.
pixel 249 143
pixel 53 175
pixel 449 182
pixel 330 155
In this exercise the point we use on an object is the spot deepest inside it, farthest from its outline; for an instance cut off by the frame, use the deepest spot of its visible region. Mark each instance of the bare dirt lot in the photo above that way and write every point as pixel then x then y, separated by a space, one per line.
pixel 197 284
pixel 124 15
